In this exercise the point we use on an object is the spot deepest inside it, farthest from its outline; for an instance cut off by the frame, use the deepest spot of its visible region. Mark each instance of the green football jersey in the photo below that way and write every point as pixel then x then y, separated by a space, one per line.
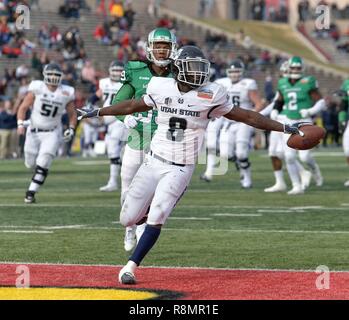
pixel 296 96
pixel 138 74
pixel 345 87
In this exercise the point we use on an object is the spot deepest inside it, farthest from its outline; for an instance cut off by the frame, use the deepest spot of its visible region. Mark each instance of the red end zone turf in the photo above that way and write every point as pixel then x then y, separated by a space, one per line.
pixel 198 284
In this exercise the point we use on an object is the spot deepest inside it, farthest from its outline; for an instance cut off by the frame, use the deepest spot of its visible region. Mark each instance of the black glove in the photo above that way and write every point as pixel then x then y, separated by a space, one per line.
pixel 82 114
pixel 294 128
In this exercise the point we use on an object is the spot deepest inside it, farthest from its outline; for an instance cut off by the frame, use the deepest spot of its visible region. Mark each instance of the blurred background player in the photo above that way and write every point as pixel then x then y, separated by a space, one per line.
pixel 235 138
pixel 300 99
pixel 116 130
pixel 276 144
pixel 160 48
pixel 343 120
pixel 49 99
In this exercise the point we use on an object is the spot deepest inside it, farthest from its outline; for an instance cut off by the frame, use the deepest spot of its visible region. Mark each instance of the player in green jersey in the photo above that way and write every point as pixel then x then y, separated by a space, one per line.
pixel 299 100
pixel 343 120
pixel 161 47
pixel 276 144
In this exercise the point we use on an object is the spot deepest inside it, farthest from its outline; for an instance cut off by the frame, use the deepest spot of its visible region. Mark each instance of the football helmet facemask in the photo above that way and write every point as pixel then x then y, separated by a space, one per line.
pixel 162 35
pixel 52 74
pixel 191 67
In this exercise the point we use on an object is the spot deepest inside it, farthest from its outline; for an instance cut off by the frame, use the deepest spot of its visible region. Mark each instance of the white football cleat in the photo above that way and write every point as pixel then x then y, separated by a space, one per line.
pixel 277 187
pixel 126 276
pixel 130 239
pixel 139 231
pixel 296 191
pixel 306 178
pixel 346 184
pixel 319 180
pixel 109 188
pixel 205 177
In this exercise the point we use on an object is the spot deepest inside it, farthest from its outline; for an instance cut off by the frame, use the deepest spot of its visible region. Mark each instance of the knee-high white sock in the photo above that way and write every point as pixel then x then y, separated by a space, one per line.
pixel 294 174
pixel 279 177
pixel 211 161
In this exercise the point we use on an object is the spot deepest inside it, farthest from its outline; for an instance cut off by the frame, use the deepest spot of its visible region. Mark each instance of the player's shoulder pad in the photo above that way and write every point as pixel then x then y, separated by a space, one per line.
pixel 249 83
pixel 159 85
pixel 345 85
pixel 136 65
pixel 310 81
pixel 213 92
pixel 68 91
pixel 35 86
pixel 223 81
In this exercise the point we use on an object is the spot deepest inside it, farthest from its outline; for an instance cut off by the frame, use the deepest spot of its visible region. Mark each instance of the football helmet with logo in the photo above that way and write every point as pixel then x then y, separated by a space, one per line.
pixel 191 67
pixel 295 68
pixel 115 71
pixel 53 74
pixel 161 35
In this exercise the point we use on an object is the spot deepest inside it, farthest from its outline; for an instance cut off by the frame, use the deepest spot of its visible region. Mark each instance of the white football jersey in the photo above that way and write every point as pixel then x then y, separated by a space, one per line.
pixel 239 91
pixel 49 106
pixel 183 117
pixel 109 89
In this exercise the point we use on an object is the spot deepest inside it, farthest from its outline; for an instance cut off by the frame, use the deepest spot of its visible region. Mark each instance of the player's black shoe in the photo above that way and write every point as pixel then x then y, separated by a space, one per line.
pixel 29 197
pixel 204 177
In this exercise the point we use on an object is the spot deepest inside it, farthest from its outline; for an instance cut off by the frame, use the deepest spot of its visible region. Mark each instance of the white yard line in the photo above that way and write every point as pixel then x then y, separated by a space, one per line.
pixel 25 231
pixel 237 215
pixel 162 267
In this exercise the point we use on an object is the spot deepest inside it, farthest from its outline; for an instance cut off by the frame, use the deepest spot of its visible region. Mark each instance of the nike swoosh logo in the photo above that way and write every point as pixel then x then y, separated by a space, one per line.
pixel 190 105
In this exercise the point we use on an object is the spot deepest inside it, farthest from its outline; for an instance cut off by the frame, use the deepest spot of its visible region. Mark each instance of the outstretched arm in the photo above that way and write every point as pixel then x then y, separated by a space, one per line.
pixel 258 121
pixel 120 109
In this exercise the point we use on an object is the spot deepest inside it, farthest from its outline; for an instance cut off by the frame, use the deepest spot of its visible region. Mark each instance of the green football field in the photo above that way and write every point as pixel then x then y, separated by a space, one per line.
pixel 215 224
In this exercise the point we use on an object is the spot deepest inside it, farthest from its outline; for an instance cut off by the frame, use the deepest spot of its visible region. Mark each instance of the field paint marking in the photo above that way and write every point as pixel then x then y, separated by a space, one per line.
pixel 182 229
pixel 279 211
pixel 237 215
pixel 162 267
pixel 60 205
pixel 189 218
pixel 25 231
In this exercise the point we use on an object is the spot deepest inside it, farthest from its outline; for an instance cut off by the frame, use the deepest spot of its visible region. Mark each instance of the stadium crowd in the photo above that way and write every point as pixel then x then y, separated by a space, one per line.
pixel 67 48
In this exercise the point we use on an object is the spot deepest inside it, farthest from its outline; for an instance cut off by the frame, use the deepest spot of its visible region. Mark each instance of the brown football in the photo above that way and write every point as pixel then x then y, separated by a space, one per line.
pixel 312 136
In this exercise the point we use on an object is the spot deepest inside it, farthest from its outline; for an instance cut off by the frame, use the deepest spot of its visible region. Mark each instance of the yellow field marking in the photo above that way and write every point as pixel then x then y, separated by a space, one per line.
pixel 7 293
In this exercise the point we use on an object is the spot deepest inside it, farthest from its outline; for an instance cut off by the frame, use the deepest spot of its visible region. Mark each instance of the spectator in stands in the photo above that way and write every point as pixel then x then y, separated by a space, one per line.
pixel 164 22
pixel 55 37
pixel 44 36
pixel 116 9
pixel 129 15
pixel 101 35
pixel 235 7
pixel 88 75
pixel 303 10
pixel 268 88
pixel 71 9
pixel 8 123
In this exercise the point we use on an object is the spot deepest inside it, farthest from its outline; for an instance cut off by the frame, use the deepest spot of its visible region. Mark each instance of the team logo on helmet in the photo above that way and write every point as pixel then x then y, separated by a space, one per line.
pixel 161 35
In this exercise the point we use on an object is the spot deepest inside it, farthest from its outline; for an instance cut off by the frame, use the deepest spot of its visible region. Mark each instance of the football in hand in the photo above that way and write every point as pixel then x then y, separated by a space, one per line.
pixel 312 136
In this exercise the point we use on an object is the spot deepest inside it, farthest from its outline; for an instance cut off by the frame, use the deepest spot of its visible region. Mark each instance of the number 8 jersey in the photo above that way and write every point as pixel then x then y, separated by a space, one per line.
pixel 48 105
pixel 183 117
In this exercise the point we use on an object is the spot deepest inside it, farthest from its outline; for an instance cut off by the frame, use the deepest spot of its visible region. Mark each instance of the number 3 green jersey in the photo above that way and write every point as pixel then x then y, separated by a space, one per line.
pixel 297 96
pixel 135 79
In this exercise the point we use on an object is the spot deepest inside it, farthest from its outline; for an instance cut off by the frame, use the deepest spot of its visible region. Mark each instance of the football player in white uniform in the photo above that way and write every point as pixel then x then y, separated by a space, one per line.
pixel 236 137
pixel 116 130
pixel 185 106
pixel 49 99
